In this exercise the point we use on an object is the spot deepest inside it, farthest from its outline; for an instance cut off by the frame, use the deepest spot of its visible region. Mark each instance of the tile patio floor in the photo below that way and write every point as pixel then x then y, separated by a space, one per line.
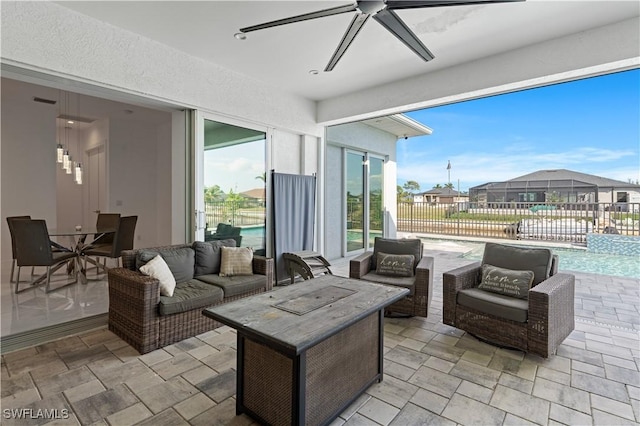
pixel 434 374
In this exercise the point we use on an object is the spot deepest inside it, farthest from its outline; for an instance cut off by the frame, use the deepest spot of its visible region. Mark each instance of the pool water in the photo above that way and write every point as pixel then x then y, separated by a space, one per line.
pixel 580 261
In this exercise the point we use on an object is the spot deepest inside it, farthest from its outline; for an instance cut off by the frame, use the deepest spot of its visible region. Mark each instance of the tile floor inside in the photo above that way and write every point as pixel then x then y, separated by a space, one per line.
pixel 434 374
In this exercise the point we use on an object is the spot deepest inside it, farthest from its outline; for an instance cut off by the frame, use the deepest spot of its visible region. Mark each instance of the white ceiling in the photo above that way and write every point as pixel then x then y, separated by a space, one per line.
pixel 283 56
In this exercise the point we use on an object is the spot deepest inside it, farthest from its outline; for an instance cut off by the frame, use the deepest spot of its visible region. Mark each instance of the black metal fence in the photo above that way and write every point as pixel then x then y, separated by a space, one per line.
pixel 567 222
pixel 236 213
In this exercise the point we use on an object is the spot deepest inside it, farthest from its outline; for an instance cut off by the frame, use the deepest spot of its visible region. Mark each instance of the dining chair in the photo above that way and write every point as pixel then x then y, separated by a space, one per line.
pixel 10 220
pixel 122 240
pixel 33 248
pixel 105 222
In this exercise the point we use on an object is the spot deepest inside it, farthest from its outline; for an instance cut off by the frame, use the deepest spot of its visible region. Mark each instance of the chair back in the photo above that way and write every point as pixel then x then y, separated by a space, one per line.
pixel 396 246
pixel 538 260
pixel 107 221
pixel 10 220
pixel 32 243
pixel 125 235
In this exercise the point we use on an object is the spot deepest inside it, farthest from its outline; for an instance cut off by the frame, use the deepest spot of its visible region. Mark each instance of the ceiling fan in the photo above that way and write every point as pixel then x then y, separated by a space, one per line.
pixel 382 11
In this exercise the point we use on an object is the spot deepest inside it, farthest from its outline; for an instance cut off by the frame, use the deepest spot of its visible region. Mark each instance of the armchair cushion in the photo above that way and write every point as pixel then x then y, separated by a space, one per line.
pixel 498 305
pixel 395 265
pixel 157 268
pixel 208 255
pixel 394 246
pixel 406 282
pixel 504 281
pixel 190 295
pixel 179 260
pixel 537 260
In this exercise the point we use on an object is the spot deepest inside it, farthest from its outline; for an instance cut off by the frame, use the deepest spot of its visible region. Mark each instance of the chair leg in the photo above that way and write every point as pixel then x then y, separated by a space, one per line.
pixel 18 280
pixel 51 271
pixel 13 265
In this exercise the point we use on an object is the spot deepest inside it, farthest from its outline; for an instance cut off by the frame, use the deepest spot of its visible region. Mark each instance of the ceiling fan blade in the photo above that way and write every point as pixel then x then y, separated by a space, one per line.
pixel 417 4
pixel 305 17
pixel 388 19
pixel 352 31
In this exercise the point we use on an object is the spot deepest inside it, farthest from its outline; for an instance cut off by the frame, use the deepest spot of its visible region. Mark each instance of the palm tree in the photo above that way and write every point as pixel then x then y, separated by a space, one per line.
pixel 213 194
pixel 448 185
pixel 263 177
pixel 437 186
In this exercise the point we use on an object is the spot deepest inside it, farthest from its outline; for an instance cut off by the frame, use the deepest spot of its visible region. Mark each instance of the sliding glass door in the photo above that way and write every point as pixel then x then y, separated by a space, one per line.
pixel 364 176
pixel 231 184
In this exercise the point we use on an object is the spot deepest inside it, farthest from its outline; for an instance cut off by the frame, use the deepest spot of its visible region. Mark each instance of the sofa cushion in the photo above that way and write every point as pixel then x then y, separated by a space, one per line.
pixel 536 259
pixel 406 282
pixel 498 305
pixel 157 268
pixel 236 261
pixel 235 285
pixel 208 255
pixel 506 281
pixel 395 265
pixel 395 246
pixel 189 295
pixel 181 261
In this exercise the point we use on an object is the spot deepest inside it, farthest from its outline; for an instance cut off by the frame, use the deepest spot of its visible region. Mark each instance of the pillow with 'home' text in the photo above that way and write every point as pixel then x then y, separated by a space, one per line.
pixel 509 282
pixel 395 265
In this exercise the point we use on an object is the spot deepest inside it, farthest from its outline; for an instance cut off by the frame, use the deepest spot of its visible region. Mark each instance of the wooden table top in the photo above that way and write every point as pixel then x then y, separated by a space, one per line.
pixel 296 317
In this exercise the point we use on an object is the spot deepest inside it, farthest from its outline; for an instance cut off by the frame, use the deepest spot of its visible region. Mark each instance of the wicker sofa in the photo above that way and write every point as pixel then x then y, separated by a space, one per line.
pixel 536 323
pixel 148 321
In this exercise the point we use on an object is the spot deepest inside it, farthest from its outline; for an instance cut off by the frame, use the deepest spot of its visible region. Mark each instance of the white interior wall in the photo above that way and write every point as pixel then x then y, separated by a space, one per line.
pixel 138 155
pixel 28 164
pixel 163 185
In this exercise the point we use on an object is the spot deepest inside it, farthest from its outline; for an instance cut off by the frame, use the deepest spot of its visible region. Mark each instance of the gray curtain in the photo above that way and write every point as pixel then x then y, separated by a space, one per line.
pixel 294 207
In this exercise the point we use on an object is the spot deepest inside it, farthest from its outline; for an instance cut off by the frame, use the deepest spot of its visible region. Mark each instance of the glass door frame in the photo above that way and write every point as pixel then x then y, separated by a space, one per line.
pixel 367 200
pixel 197 214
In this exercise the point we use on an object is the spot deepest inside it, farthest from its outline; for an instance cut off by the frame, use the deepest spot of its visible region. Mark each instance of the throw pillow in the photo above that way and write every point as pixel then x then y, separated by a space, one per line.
pixel 236 261
pixel 208 255
pixel 508 282
pixel 180 260
pixel 157 268
pixel 395 265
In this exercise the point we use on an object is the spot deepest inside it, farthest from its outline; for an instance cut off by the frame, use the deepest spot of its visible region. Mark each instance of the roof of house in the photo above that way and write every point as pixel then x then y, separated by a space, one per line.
pixel 447 192
pixel 254 193
pixel 567 175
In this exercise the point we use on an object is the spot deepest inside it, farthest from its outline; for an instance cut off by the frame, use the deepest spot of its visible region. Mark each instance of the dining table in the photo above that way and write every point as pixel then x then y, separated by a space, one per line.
pixel 75 242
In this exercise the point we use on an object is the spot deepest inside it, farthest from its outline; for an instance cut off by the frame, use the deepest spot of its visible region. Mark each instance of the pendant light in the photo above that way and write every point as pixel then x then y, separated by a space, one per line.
pixel 65 159
pixel 79 173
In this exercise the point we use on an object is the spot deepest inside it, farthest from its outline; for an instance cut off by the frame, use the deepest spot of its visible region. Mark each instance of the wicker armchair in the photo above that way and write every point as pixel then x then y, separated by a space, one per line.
pixel 549 308
pixel 417 303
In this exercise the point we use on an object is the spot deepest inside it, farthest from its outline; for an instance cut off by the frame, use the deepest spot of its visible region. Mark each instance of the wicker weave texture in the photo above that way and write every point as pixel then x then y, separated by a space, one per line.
pixel 550 313
pixel 134 298
pixel 340 367
pixel 416 304
pixel 267 383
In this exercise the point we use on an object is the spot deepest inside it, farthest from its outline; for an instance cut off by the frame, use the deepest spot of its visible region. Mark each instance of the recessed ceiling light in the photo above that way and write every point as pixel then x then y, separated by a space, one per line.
pixel 70 122
pixel 240 36
pixel 313 72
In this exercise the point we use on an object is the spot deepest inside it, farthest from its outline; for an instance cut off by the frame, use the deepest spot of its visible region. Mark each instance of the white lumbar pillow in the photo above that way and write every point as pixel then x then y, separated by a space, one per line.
pixel 157 268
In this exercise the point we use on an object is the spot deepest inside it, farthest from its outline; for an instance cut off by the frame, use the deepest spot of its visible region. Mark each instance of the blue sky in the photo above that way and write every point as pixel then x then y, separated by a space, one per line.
pixel 590 126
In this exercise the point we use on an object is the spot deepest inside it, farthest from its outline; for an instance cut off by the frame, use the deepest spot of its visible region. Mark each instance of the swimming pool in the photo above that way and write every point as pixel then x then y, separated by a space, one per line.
pixel 573 260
